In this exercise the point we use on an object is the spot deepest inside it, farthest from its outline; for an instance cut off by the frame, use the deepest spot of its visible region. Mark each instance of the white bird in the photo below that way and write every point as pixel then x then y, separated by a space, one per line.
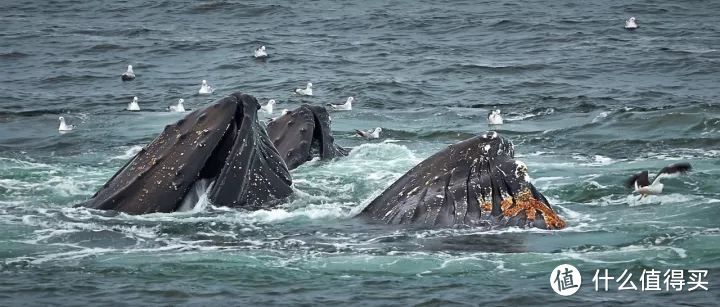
pixel 640 183
pixel 133 106
pixel 494 118
pixel 268 108
pixel 630 24
pixel 284 111
pixel 370 134
pixel 307 91
pixel 205 89
pixel 260 52
pixel 128 74
pixel 63 126
pixel 179 107
pixel 347 106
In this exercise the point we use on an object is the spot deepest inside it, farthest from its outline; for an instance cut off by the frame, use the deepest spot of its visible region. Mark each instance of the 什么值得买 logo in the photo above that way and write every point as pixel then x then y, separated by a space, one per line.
pixel 565 280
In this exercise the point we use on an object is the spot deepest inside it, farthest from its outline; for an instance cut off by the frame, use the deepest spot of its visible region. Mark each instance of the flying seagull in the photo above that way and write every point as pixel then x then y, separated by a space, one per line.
pixel 640 182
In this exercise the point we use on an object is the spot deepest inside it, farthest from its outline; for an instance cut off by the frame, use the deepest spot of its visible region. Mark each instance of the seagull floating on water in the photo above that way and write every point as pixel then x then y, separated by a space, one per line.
pixel 133 106
pixel 630 24
pixel 347 106
pixel 128 74
pixel 494 117
pixel 63 126
pixel 370 134
pixel 307 91
pixel 260 52
pixel 205 89
pixel 268 108
pixel 640 183
pixel 179 107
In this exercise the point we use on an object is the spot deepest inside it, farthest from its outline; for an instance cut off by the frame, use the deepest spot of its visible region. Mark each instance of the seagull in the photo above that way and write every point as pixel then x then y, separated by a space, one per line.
pixel 260 52
pixel 133 106
pixel 179 107
pixel 494 117
pixel 307 91
pixel 128 74
pixel 63 126
pixel 370 134
pixel 205 89
pixel 268 108
pixel 630 24
pixel 347 106
pixel 641 184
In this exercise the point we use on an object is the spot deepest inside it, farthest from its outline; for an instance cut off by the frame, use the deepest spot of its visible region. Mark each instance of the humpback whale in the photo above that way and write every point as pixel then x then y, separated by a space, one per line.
pixel 224 150
pixel 224 144
pixel 476 182
pixel 302 134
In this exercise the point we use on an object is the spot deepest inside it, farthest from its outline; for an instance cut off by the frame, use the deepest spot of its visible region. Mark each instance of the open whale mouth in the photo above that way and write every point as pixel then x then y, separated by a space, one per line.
pixel 222 145
pixel 302 134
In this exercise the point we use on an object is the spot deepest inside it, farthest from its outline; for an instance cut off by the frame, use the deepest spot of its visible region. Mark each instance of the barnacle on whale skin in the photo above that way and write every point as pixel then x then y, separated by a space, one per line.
pixel 525 203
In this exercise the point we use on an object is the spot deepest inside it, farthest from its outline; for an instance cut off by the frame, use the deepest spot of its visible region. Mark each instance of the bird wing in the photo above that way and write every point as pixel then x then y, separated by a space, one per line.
pixel 361 133
pixel 641 178
pixel 673 170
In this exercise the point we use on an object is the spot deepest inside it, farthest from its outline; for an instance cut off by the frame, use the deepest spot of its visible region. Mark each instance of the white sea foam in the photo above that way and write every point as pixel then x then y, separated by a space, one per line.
pixel 600 116
pixel 129 153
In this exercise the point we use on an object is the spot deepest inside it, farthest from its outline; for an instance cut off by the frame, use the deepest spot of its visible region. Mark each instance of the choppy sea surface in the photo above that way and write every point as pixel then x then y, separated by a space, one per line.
pixel 586 103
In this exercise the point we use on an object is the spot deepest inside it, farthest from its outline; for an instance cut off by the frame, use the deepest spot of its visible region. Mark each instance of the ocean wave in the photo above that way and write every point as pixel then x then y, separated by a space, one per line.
pixel 129 153
pixel 13 55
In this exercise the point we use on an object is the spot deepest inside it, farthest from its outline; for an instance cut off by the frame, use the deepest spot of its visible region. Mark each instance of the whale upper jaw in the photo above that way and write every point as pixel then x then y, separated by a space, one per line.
pixel 302 134
pixel 472 183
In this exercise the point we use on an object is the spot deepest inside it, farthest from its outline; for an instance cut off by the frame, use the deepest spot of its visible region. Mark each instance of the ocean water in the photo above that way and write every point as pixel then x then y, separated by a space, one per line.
pixel 586 103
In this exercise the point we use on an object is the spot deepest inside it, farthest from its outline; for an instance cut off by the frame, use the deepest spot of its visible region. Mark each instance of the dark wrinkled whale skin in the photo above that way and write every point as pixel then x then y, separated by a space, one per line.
pixel 302 134
pixel 473 183
pixel 223 142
